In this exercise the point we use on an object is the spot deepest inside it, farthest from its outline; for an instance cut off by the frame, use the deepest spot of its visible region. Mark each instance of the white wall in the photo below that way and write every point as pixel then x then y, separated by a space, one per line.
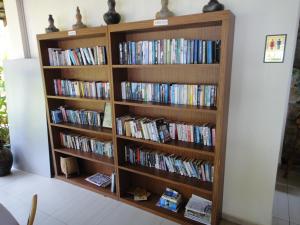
pixel 259 92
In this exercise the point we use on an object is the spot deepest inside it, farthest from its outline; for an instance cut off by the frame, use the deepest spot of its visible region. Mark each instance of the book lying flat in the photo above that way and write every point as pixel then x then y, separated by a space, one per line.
pixel 99 179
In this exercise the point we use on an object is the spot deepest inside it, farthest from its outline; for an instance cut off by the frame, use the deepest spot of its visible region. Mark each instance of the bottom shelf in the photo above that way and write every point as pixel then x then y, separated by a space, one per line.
pixel 80 181
pixel 150 205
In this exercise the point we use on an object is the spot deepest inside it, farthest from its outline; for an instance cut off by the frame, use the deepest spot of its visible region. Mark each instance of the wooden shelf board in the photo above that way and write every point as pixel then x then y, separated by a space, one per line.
pixel 152 66
pixel 198 109
pixel 78 99
pixel 76 67
pixel 150 205
pixel 95 130
pixel 204 187
pixel 80 181
pixel 87 156
pixel 178 145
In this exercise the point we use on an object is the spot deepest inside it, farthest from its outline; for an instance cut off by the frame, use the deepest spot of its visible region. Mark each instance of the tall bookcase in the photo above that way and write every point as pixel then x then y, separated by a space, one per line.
pixel 209 26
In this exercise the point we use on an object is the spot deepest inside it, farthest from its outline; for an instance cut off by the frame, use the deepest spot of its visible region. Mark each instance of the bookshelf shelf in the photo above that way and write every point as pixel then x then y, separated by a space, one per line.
pixel 84 128
pixel 150 205
pixel 216 26
pixel 80 181
pixel 95 100
pixel 211 110
pixel 178 145
pixel 87 155
pixel 204 187
pixel 76 67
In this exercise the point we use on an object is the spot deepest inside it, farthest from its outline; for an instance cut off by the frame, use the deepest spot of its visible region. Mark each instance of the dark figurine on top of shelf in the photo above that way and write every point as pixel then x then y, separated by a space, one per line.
pixel 213 6
pixel 79 23
pixel 164 12
pixel 51 27
pixel 111 17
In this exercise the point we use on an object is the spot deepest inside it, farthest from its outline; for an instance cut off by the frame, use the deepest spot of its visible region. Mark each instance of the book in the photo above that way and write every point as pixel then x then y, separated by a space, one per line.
pixel 99 180
pixel 139 194
pixel 199 209
pixel 170 200
pixel 107 121
pixel 113 183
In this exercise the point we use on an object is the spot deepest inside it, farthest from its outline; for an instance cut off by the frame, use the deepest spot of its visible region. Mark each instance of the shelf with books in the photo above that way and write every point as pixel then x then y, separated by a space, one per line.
pixel 150 205
pixel 96 130
pixel 95 100
pixel 166 66
pixel 201 186
pixel 87 155
pixel 198 109
pixel 76 67
pixel 178 145
pixel 80 181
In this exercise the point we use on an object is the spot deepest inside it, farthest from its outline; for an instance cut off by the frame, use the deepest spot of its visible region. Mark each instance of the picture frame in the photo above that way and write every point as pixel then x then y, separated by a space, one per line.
pixel 275 48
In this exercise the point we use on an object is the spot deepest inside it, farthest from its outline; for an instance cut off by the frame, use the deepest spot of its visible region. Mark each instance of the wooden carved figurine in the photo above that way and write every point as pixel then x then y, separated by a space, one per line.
pixel 79 23
pixel 111 17
pixel 213 6
pixel 51 27
pixel 164 12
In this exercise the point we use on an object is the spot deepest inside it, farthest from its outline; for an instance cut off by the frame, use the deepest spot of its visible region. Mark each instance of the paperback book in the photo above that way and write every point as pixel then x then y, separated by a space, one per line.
pixel 100 180
pixel 170 200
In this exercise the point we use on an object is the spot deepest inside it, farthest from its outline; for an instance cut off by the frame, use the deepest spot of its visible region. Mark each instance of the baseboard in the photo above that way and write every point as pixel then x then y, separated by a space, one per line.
pixel 235 220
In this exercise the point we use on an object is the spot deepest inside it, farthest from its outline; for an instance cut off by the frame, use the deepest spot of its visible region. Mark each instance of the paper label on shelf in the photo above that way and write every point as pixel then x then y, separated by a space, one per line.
pixel 72 33
pixel 160 23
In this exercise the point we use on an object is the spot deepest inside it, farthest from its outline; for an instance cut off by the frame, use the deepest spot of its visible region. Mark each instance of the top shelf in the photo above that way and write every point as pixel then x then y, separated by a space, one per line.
pixel 76 67
pixel 150 66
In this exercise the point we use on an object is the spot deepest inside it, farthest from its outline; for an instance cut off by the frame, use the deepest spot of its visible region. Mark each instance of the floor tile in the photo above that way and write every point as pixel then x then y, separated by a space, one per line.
pixel 294 205
pixel 278 221
pixel 280 205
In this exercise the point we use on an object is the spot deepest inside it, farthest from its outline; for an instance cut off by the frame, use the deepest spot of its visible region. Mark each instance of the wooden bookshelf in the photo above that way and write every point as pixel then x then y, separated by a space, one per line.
pixel 208 26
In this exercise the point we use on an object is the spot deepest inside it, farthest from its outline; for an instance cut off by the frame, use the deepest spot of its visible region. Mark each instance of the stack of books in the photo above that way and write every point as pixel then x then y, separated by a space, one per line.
pixel 162 131
pixel 199 169
pixel 99 179
pixel 76 88
pixel 185 94
pixel 139 194
pixel 86 144
pixel 82 117
pixel 78 56
pixel 170 200
pixel 199 209
pixel 170 51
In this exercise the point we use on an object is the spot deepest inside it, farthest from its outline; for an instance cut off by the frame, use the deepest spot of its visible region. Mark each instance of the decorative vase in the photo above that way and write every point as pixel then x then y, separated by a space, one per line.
pixel 6 160
pixel 213 6
pixel 164 12
pixel 111 17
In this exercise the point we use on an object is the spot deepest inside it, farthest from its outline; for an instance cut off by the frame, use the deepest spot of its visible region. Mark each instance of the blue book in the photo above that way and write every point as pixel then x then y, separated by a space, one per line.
pixel 133 50
pixel 209 52
pixel 188 56
pixel 196 42
pixel 200 53
pixel 192 51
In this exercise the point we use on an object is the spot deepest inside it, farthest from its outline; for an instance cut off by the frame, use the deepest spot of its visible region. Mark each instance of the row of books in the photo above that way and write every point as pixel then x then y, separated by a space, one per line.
pixel 199 169
pixel 170 51
pixel 81 117
pixel 161 130
pixel 86 144
pixel 78 56
pixel 87 89
pixel 185 94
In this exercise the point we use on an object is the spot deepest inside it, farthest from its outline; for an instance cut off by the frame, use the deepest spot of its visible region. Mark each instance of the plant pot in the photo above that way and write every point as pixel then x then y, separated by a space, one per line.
pixel 6 160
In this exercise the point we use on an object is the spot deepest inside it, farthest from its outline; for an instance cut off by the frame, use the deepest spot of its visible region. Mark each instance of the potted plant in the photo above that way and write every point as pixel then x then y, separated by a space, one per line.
pixel 6 158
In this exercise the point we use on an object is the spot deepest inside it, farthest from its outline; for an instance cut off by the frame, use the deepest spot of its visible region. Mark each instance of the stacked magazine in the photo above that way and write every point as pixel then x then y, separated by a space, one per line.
pixel 198 209
pixel 99 179
pixel 170 200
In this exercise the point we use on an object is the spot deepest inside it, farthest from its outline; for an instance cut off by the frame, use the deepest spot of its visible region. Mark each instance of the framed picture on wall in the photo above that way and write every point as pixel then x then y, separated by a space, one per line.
pixel 275 48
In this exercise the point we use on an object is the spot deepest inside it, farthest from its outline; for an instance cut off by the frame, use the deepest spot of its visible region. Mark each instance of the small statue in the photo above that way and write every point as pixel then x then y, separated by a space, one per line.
pixel 51 27
pixel 111 17
pixel 79 23
pixel 164 12
pixel 213 6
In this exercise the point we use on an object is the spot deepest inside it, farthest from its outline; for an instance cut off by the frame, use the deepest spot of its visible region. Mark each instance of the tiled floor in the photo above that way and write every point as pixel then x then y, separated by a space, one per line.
pixel 60 203
pixel 286 207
